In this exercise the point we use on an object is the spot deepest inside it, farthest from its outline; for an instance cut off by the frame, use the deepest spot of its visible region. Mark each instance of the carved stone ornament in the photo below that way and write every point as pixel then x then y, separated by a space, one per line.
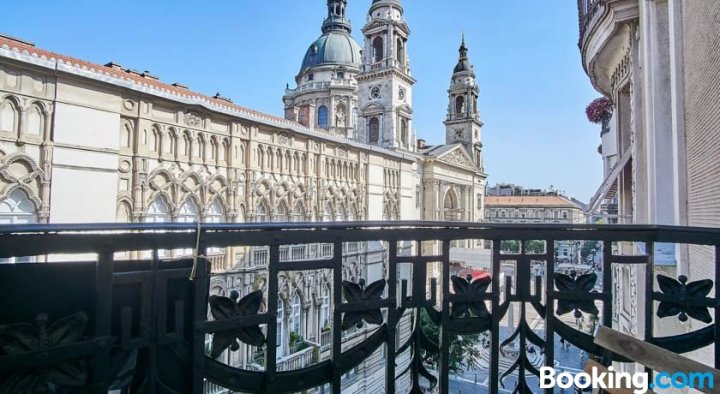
pixel 458 159
pixel 192 119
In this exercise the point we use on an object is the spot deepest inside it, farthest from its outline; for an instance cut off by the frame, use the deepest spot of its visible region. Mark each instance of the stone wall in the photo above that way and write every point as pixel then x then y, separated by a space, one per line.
pixel 701 24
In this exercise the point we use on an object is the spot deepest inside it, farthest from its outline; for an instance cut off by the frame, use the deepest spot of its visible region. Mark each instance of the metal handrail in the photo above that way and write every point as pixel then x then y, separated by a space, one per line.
pixel 158 309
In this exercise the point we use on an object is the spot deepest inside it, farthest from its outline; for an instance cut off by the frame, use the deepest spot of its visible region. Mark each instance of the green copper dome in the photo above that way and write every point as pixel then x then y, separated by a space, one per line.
pixel 335 47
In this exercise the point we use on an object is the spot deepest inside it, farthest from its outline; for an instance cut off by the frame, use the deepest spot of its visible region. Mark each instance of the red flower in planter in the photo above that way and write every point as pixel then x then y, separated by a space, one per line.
pixel 598 108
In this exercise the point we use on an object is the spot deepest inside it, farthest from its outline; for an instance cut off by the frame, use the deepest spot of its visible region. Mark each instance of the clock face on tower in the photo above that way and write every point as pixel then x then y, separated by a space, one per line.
pixel 375 92
pixel 459 133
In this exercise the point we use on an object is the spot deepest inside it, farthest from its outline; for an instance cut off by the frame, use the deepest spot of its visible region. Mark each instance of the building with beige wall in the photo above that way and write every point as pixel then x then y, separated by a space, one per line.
pixel 532 209
pixel 86 143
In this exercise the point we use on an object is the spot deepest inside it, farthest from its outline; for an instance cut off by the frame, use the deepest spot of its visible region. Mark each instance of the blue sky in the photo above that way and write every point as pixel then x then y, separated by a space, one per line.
pixel 533 90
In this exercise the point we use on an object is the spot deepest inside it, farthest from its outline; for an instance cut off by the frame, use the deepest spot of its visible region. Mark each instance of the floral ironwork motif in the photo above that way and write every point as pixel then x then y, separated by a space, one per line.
pixel 468 286
pixel 224 308
pixel 23 337
pixel 584 284
pixel 358 293
pixel 682 308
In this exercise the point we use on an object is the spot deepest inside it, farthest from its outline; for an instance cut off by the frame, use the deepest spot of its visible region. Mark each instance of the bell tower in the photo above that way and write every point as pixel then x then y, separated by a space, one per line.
pixel 385 83
pixel 463 123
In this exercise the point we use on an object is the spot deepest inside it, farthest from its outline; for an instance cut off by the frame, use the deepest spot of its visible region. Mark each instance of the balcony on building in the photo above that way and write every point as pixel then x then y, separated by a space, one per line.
pixel 604 35
pixel 338 307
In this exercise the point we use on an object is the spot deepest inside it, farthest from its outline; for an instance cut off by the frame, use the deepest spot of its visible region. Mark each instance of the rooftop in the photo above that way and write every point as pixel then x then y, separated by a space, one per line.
pixel 530 201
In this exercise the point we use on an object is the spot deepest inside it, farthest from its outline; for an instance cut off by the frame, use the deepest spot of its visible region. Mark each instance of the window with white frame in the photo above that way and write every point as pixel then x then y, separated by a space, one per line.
pixel 158 212
pixel 262 212
pixel 323 117
pixel 279 334
pixel 216 214
pixel 281 214
pixel 298 214
pixel 295 315
pixel 17 208
pixel 189 213
pixel 325 308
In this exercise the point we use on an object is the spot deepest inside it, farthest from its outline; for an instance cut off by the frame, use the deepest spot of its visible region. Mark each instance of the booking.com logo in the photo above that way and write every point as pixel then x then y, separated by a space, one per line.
pixel 638 381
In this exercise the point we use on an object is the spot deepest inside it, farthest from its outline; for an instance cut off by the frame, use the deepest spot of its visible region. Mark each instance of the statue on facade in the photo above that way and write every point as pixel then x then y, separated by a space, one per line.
pixel 340 118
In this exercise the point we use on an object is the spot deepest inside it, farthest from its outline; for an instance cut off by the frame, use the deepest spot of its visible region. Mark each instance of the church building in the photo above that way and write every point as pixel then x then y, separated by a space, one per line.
pixel 87 143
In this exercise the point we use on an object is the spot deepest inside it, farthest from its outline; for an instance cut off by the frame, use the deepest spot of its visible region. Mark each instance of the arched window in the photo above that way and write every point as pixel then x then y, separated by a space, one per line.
pixel 452 213
pixel 378 49
pixel 172 148
pixel 351 212
pixel 327 213
pixel 288 162
pixel 281 214
pixel 460 105
pixel 36 120
pixel 340 213
pixel 155 139
pixel 216 213
pixel 323 117
pixel 189 212
pixel 325 308
pixel 295 316
pixel 125 135
pixel 158 212
pixel 298 214
pixel 224 151
pixel 187 139
pixel 374 131
pixel 8 116
pixel 403 131
pixel 200 147
pixel 280 318
pixel 401 52
pixel 261 212
pixel 213 149
pixel 17 209
pixel 261 158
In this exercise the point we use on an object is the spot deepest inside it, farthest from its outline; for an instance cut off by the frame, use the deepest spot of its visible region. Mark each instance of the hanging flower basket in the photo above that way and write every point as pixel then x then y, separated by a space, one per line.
pixel 599 108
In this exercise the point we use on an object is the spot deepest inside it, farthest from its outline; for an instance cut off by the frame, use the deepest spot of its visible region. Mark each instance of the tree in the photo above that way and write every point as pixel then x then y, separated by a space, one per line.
pixel 535 247
pixel 532 246
pixel 510 246
pixel 464 352
pixel 587 248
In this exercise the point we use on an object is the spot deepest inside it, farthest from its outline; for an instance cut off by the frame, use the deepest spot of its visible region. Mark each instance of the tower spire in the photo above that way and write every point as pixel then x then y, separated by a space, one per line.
pixel 336 19
pixel 463 61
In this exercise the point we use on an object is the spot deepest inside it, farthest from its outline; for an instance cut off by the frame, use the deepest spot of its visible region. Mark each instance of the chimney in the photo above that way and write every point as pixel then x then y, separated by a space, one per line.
pixel 148 75
pixel 421 144
pixel 114 66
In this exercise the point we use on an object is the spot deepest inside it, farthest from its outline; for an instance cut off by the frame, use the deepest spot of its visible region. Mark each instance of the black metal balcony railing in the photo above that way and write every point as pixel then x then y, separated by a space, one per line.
pixel 586 11
pixel 142 326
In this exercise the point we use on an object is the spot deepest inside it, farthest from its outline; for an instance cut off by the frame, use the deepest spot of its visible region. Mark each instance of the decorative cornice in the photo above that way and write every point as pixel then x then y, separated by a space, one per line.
pixel 58 63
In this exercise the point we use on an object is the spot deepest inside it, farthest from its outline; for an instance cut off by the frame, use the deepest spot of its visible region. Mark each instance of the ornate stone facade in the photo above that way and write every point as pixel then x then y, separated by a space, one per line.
pixel 81 142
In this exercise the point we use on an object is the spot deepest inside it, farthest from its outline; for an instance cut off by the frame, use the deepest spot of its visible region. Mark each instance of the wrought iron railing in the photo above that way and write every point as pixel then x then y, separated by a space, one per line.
pixel 141 326
pixel 587 9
